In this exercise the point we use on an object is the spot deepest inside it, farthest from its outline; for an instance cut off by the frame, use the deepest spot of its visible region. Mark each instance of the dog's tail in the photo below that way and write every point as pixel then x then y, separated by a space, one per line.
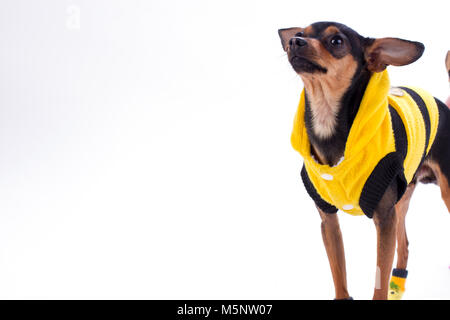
pixel 447 66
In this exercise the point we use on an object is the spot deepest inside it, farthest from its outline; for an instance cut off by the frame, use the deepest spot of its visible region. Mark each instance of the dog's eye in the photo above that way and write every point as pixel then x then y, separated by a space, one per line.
pixel 336 41
pixel 299 34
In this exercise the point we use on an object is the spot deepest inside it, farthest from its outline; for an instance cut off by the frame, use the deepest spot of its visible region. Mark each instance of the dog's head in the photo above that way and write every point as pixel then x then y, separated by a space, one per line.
pixel 332 51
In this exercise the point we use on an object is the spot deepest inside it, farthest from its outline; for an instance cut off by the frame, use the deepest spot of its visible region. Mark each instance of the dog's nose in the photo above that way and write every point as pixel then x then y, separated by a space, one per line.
pixel 297 42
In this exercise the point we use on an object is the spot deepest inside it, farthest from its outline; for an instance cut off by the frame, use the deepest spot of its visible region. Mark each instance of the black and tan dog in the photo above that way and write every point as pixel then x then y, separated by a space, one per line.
pixel 365 144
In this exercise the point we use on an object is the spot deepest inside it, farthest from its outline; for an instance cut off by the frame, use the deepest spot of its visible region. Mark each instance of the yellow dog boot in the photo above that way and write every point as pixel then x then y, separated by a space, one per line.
pixel 397 284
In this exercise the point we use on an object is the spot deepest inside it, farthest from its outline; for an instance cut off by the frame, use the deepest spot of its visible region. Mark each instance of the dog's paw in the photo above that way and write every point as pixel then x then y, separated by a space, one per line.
pixel 397 284
pixel 395 292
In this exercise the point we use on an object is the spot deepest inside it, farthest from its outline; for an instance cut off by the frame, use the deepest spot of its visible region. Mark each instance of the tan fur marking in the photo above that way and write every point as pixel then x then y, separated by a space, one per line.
pixel 287 34
pixel 308 30
pixel 442 182
pixel 325 91
pixel 320 158
pixel 331 30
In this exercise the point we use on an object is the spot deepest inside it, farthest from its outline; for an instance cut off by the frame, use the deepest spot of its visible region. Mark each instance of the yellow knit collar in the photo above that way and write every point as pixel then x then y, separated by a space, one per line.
pixel 371 113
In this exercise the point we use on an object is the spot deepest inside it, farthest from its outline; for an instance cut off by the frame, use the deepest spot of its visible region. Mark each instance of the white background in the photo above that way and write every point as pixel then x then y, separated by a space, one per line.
pixel 145 152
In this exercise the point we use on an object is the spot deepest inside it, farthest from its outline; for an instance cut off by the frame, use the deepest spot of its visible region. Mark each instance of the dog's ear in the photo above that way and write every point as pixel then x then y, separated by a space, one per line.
pixel 379 53
pixel 287 34
pixel 447 62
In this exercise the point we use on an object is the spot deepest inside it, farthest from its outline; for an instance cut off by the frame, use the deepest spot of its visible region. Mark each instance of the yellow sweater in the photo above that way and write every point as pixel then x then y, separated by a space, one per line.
pixel 372 156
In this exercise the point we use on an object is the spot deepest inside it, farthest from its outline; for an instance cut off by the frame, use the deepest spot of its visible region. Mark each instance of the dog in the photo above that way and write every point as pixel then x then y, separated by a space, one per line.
pixel 365 145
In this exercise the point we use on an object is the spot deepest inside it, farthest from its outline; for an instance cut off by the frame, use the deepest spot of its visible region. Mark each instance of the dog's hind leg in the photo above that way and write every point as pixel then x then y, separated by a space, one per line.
pixel 397 283
pixel 445 190
pixel 334 245
pixel 440 153
pixel 442 178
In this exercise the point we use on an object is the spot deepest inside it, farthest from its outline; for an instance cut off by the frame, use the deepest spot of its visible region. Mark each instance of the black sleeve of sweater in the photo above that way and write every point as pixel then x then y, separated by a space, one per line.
pixel 320 203
pixel 388 169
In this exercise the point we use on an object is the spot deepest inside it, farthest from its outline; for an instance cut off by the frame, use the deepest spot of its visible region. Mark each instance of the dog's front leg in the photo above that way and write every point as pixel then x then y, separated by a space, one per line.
pixel 386 224
pixel 332 238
